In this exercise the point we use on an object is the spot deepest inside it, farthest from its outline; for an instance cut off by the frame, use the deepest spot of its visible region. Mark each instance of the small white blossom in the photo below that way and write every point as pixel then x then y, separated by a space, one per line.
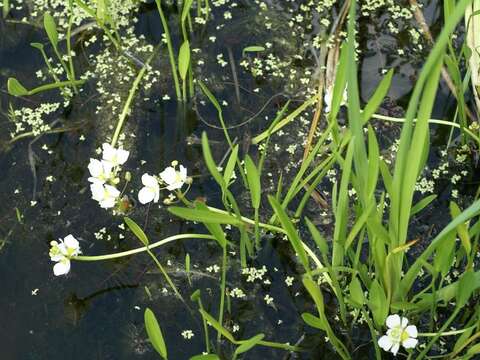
pixel 114 156
pixel 61 253
pixel 173 178
pixel 105 194
pixel 398 333
pixel 100 171
pixel 150 191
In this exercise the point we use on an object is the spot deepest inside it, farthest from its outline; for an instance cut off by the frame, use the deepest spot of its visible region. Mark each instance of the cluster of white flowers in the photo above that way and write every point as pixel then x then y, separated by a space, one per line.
pixel 171 178
pixel 398 333
pixel 104 175
pixel 61 253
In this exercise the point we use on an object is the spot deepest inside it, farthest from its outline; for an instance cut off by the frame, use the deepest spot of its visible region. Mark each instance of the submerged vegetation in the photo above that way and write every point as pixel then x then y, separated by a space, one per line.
pixel 302 235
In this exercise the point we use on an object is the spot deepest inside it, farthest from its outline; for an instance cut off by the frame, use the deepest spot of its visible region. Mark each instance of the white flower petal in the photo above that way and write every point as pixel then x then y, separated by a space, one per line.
pixel 404 322
pixel 168 175
pixel 95 167
pixel 183 173
pixel 385 342
pixel 146 195
pixel 395 349
pixel 149 181
pixel 112 191
pixel 412 331
pixel 98 191
pixel 410 343
pixel 71 242
pixel 107 203
pixel 61 267
pixel 109 152
pixel 122 156
pixel 393 321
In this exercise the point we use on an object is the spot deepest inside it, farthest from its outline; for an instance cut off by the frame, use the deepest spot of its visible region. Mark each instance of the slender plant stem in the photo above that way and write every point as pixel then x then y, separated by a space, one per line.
pixel 222 289
pixel 171 54
pixel 143 248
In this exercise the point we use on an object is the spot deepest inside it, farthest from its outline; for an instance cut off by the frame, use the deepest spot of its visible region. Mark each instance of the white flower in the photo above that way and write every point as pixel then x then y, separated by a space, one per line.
pixel 105 194
pixel 61 253
pixel 398 333
pixel 150 191
pixel 114 156
pixel 100 171
pixel 172 178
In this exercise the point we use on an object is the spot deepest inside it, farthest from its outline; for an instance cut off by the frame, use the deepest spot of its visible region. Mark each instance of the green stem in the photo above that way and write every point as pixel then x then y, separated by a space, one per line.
pixel 222 289
pixel 171 54
pixel 143 248
pixel 131 95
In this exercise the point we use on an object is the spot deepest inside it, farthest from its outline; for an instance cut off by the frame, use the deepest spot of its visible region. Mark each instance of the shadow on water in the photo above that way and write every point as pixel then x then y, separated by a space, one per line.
pixel 96 312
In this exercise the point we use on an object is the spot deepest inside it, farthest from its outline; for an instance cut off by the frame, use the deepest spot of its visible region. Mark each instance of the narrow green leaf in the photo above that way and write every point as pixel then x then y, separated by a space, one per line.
pixel 137 230
pixel 51 29
pixel 205 357
pixel 466 288
pixel 212 167
pixel 184 59
pixel 246 345
pixel 422 204
pixel 357 297
pixel 187 4
pixel 378 96
pixel 216 325
pixel 318 238
pixel 252 48
pixel 377 303
pixel 15 88
pixel 462 229
pixel 313 321
pixel 214 228
pixel 204 216
pixel 228 172
pixel 155 333
pixel 291 232
pixel 253 179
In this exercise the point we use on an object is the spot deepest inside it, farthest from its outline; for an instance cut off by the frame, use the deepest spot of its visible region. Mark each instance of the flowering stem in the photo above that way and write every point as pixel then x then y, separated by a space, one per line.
pixel 143 248
pixel 447 333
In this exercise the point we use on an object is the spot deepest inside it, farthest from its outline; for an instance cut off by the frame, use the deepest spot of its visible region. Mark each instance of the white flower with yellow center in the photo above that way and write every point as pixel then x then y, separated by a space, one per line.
pixel 398 333
pixel 106 195
pixel 174 179
pixel 113 155
pixel 61 253
pixel 100 171
pixel 150 191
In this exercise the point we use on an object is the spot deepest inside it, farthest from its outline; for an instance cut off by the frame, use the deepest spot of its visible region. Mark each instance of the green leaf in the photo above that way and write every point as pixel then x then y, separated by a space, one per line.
pixel 184 59
pixel 378 96
pixel 212 167
pixel 313 321
pixel 252 48
pixel 253 179
pixel 377 303
pixel 246 345
pixel 204 216
pixel 228 172
pixel 357 297
pixel 422 204
pixel 51 29
pixel 6 8
pixel 36 45
pixel 196 295
pixel 462 229
pixel 102 11
pixel 137 230
pixel 187 4
pixel 205 357
pixel 155 333
pixel 215 229
pixel 443 259
pixel 466 288
pixel 291 232
pixel 318 238
pixel 216 325
pixel 316 294
pixel 15 88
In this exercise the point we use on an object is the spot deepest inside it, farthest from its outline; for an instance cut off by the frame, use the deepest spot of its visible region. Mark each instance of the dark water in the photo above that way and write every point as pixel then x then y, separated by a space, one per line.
pixel 96 312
